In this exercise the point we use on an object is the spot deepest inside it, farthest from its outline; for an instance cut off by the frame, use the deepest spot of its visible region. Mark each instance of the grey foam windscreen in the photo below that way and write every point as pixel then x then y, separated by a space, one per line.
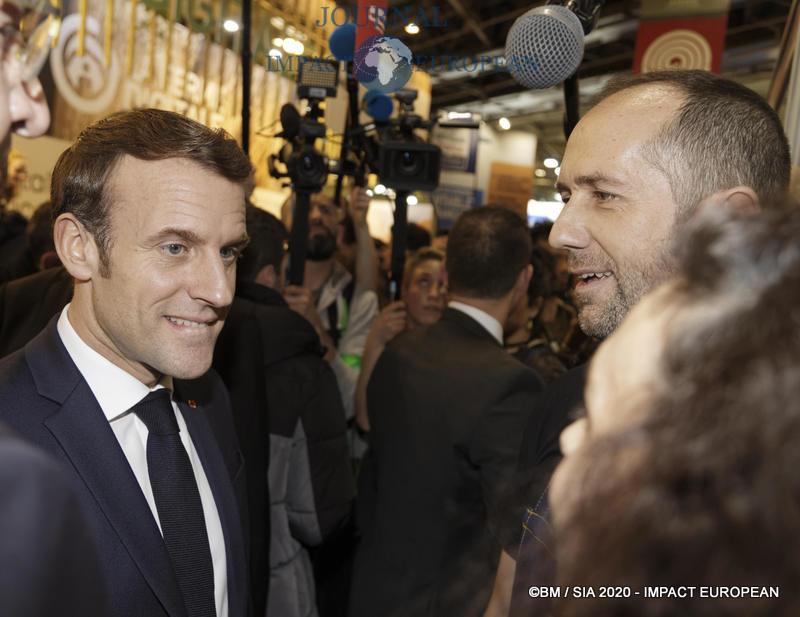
pixel 544 46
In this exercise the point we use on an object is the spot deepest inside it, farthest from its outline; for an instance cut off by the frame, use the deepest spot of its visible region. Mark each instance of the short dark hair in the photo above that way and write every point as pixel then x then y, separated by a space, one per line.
pixel 417 237
pixel 703 489
pixel 487 248
pixel 80 182
pixel 724 135
pixel 267 245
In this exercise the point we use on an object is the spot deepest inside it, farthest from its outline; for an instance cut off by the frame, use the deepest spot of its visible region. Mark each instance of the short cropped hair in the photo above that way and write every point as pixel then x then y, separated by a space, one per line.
pixel 268 238
pixel 724 135
pixel 487 248
pixel 81 177
pixel 712 495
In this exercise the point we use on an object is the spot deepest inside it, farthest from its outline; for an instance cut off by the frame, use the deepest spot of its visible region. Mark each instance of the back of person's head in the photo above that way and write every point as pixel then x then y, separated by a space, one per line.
pixel 417 237
pixel 81 182
pixel 267 247
pixel 540 232
pixel 541 283
pixel 724 135
pixel 703 489
pixel 487 248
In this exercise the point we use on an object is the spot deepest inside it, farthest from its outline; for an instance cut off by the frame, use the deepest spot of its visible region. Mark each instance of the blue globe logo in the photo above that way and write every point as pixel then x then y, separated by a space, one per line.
pixel 383 63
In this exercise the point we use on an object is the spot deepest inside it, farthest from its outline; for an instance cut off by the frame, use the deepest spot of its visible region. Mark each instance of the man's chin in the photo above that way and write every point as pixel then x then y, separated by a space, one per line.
pixel 597 320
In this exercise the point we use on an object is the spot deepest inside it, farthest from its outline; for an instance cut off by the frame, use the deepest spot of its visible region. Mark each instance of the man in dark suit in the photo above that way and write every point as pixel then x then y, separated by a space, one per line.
pixel 150 221
pixel 447 408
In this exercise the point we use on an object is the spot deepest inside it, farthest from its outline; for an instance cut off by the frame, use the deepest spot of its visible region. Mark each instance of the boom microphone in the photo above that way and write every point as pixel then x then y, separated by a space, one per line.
pixel 342 42
pixel 290 122
pixel 544 46
pixel 377 105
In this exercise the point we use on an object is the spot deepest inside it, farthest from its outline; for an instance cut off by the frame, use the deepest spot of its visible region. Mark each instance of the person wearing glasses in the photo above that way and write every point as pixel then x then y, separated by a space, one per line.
pixel 50 565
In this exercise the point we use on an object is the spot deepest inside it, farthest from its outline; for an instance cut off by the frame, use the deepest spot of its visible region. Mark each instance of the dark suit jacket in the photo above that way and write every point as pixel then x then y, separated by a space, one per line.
pixel 44 398
pixel 49 565
pixel 447 408
pixel 28 304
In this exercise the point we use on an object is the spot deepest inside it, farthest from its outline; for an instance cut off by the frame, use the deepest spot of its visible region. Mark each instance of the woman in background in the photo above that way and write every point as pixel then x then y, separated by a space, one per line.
pixel 423 302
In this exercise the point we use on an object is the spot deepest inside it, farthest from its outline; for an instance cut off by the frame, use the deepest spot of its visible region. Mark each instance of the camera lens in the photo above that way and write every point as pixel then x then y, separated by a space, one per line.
pixel 307 162
pixel 410 163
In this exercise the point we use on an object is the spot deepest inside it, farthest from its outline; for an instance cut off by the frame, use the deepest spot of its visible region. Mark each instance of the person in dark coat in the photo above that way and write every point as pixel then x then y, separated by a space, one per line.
pixel 447 406
pixel 291 425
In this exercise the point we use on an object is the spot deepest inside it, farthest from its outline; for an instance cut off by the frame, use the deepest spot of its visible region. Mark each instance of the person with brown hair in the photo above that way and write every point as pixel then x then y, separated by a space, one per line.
pixel 150 221
pixel 683 474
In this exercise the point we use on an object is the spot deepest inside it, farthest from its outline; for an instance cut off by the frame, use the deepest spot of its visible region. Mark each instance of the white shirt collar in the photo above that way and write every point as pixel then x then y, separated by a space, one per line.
pixel 490 324
pixel 116 390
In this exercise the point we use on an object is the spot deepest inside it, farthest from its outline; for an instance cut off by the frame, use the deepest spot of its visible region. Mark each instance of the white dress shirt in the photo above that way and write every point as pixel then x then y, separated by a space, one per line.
pixel 489 323
pixel 117 392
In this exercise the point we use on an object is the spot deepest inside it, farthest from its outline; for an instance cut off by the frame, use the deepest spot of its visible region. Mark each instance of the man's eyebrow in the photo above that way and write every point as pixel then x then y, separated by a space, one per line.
pixel 173 232
pixel 591 180
pixel 241 243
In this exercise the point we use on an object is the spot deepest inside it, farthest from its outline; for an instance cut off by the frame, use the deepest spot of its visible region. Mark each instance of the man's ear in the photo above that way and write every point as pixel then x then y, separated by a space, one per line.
pixel 76 247
pixel 739 200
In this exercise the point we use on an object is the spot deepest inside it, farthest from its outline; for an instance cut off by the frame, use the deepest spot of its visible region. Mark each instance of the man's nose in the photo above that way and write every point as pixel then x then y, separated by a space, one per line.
pixel 28 110
pixel 569 230
pixel 214 283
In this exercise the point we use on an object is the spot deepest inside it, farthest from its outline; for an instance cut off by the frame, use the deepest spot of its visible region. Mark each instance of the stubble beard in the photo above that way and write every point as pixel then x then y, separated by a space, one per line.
pixel 600 320
pixel 321 247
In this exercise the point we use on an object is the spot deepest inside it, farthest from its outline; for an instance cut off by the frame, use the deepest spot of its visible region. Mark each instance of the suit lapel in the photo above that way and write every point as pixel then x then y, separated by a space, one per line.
pixel 83 432
pixel 220 480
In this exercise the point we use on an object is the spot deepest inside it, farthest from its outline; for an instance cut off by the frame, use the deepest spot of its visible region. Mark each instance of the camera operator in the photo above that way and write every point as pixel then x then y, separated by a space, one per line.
pixel 342 308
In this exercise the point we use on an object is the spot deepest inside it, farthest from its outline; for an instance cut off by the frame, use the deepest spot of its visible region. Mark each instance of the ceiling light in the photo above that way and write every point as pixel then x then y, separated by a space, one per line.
pixel 558 170
pixel 459 115
pixel 550 163
pixel 540 173
pixel 231 25
pixel 293 47
pixel 504 123
pixel 277 42
pixel 277 22
pixel 412 28
pixel 275 53
pixel 412 200
pixel 379 189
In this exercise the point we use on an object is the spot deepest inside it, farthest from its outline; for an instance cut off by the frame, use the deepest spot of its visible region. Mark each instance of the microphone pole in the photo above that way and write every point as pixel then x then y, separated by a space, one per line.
pixel 399 234
pixel 351 122
pixel 298 239
pixel 247 61
pixel 571 100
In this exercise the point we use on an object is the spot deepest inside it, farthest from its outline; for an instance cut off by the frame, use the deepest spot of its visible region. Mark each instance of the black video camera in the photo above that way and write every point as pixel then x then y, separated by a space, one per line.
pixel 401 159
pixel 306 167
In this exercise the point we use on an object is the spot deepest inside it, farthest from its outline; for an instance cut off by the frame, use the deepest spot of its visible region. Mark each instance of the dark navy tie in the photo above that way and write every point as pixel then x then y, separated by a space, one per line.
pixel 177 498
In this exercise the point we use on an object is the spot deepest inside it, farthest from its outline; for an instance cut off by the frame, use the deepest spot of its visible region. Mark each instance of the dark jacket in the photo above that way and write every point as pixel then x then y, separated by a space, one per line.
pixel 447 408
pixel 291 426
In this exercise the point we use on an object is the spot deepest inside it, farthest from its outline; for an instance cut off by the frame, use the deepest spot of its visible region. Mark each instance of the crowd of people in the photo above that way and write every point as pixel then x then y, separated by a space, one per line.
pixel 184 433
